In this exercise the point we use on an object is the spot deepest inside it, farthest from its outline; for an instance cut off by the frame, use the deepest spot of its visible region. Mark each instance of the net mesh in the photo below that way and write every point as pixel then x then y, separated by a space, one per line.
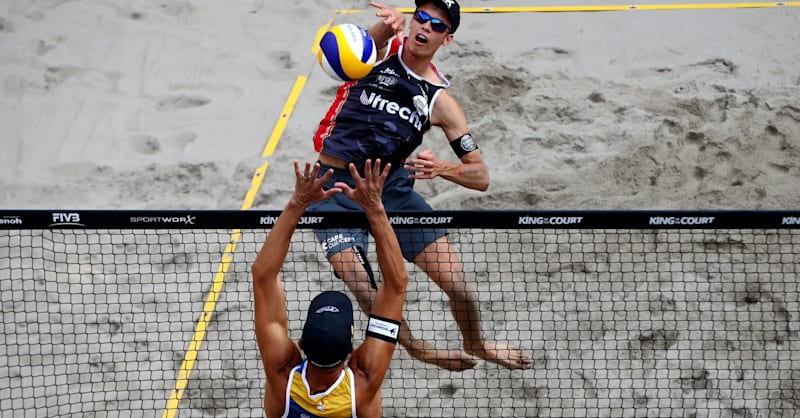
pixel 687 322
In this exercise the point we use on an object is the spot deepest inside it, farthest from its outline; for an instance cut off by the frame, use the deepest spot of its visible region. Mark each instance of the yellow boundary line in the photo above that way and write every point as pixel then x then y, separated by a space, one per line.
pixel 187 365
pixel 200 329
pixel 288 107
pixel 620 7
pixel 608 7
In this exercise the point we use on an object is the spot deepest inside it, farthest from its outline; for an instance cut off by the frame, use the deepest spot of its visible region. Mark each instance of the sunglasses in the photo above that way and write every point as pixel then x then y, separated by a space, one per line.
pixel 437 24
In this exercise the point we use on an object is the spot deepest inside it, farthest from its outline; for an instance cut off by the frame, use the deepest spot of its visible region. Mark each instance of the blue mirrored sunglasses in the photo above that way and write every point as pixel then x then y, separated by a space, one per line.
pixel 437 24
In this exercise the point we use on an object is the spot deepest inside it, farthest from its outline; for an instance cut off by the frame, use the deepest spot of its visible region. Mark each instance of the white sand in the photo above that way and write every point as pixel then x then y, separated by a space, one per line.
pixel 165 105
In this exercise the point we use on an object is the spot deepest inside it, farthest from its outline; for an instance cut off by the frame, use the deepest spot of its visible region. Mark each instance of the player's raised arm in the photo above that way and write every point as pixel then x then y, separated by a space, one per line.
pixel 277 350
pixel 374 355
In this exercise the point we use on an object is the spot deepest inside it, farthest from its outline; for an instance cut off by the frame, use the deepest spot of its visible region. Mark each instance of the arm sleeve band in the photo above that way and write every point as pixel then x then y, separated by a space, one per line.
pixel 463 145
pixel 382 328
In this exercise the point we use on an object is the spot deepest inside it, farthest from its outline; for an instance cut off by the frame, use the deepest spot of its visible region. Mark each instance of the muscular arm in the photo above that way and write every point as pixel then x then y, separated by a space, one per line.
pixel 373 356
pixel 271 324
pixel 278 351
pixel 471 172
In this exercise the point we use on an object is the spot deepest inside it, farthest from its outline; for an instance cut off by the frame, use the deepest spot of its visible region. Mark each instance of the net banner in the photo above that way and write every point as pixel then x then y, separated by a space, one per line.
pixel 181 219
pixel 622 313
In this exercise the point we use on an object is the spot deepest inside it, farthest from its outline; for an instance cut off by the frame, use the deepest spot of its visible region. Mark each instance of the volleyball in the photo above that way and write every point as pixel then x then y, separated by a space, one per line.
pixel 346 52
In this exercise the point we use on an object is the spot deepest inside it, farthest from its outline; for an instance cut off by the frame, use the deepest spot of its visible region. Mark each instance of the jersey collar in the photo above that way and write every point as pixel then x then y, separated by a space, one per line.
pixel 445 82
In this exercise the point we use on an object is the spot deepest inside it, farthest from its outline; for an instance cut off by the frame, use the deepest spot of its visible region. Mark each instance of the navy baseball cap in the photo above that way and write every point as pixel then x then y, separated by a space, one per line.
pixel 450 7
pixel 328 332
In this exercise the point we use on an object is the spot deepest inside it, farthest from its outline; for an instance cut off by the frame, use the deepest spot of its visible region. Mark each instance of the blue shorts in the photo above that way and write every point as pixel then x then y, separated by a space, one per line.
pixel 398 195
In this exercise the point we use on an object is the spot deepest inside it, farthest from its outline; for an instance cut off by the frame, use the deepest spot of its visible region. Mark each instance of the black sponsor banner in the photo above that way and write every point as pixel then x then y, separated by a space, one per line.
pixel 253 219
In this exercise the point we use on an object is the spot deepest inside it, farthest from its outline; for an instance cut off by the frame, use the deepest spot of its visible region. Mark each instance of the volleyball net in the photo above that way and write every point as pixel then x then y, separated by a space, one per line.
pixel 632 313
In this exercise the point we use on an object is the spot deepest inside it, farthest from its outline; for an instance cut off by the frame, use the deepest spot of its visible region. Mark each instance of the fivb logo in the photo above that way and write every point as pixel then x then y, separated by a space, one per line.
pixel 71 218
pixel 375 101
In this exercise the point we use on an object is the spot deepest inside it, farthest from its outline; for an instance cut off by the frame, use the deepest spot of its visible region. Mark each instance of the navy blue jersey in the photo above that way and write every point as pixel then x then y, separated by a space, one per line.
pixel 383 115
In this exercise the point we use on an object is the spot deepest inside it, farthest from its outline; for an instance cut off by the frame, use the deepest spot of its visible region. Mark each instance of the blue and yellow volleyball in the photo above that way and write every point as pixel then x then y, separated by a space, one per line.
pixel 346 52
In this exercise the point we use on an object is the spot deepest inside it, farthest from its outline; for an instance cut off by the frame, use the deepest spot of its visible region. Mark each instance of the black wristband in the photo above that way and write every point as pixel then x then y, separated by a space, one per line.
pixel 383 328
pixel 463 145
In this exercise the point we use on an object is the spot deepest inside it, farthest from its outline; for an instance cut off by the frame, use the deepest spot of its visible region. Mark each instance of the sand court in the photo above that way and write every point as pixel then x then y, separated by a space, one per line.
pixel 170 105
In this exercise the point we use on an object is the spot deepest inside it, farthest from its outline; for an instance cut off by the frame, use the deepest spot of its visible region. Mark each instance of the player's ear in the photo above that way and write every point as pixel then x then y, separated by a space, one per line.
pixel 448 39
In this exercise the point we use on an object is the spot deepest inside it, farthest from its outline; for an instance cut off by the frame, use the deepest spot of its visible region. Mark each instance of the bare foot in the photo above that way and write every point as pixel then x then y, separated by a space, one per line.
pixel 453 360
pixel 505 355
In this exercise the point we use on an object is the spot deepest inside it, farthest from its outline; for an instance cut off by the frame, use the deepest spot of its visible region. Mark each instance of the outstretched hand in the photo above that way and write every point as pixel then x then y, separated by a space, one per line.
pixel 369 189
pixel 392 18
pixel 308 188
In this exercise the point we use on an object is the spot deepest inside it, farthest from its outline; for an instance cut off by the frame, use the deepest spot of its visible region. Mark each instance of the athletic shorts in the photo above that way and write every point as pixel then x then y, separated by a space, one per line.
pixel 398 195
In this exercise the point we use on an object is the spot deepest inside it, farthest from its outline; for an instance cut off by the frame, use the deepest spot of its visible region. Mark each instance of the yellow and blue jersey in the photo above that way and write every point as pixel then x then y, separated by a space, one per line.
pixel 337 401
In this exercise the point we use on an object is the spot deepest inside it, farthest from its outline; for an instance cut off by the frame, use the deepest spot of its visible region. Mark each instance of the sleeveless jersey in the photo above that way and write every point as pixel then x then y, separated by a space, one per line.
pixel 383 115
pixel 339 400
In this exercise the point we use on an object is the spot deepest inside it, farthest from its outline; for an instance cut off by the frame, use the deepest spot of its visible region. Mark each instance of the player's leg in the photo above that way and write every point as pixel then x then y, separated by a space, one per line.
pixel 441 263
pixel 398 195
pixel 348 265
pixel 430 250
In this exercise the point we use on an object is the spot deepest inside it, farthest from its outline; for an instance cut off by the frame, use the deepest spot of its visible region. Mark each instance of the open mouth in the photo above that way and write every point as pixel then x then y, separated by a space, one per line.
pixel 421 38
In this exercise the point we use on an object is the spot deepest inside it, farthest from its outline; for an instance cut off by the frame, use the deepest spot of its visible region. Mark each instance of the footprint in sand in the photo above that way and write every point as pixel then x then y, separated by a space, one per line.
pixel 790 112
pixel 650 343
pixel 149 145
pixel 720 65
pixel 777 137
pixel 5 26
pixel 41 47
pixel 181 101
pixel 282 59
pixel 498 91
pixel 145 144
pixel 177 8
pixel 55 76
pixel 548 53
pixel 42 79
